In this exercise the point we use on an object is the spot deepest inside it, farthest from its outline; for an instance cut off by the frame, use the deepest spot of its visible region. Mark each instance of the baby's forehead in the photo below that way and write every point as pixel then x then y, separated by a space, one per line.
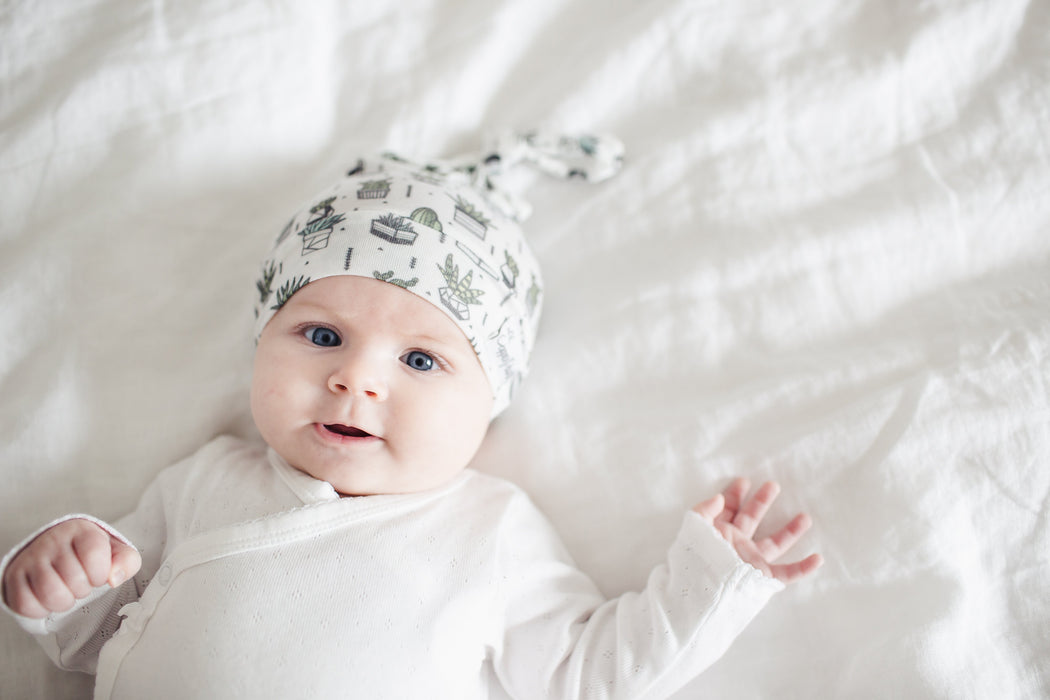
pixel 380 304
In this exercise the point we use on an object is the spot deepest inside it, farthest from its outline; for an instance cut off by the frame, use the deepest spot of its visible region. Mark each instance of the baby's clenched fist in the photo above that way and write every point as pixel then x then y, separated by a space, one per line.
pixel 64 564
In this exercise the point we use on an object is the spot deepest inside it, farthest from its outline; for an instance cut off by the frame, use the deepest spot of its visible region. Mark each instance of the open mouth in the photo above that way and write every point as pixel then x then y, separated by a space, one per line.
pixel 346 430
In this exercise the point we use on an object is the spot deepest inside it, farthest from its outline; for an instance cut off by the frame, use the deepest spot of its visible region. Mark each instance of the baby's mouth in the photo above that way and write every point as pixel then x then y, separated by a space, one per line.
pixel 346 430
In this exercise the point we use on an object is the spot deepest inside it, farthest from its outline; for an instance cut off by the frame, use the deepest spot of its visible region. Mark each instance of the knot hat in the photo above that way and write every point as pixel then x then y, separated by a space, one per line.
pixel 443 230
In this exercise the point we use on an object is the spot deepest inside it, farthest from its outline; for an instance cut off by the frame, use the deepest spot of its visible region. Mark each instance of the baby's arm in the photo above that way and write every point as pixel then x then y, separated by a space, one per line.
pixel 55 568
pixel 64 564
pixel 562 640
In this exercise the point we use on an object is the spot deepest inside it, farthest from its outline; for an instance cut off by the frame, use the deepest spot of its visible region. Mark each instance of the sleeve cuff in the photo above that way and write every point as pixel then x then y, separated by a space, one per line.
pixel 700 538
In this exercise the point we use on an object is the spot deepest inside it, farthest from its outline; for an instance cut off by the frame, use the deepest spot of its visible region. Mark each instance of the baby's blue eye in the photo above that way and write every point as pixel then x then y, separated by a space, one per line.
pixel 325 337
pixel 419 360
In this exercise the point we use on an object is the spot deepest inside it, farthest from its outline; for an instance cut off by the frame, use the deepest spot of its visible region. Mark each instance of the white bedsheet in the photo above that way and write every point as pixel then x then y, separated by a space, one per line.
pixel 825 261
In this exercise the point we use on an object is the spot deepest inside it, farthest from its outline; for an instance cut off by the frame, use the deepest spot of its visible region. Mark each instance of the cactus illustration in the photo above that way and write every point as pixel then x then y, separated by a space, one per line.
pixel 374 189
pixel 471 218
pixel 458 295
pixel 426 217
pixel 394 228
pixel 289 288
pixel 265 284
pixel 389 277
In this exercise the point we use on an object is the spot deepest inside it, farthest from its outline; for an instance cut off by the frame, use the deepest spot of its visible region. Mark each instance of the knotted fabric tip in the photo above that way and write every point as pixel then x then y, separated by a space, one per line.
pixel 592 157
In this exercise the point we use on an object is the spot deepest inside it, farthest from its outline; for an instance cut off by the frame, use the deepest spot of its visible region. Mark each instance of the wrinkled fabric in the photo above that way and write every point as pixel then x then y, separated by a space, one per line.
pixel 824 261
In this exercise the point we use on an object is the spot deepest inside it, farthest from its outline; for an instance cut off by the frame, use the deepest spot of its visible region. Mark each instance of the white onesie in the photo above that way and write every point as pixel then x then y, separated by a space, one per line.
pixel 259 581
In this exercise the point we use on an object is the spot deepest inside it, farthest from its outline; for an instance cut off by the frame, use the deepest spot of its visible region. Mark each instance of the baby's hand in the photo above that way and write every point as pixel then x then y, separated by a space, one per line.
pixel 737 522
pixel 65 563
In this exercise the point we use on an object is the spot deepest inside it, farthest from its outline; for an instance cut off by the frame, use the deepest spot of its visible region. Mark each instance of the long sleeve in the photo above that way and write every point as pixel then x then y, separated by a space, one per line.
pixel 563 641
pixel 73 638
pixel 207 490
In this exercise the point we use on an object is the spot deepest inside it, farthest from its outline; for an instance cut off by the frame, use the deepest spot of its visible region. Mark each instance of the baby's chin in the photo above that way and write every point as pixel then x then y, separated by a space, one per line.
pixel 363 479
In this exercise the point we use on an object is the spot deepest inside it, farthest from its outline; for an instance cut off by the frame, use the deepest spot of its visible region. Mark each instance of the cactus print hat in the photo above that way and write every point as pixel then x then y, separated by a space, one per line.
pixel 443 230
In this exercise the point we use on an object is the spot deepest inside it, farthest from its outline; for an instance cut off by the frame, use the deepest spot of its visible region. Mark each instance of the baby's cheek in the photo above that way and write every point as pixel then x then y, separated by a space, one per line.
pixel 469 435
pixel 269 382
pixel 268 401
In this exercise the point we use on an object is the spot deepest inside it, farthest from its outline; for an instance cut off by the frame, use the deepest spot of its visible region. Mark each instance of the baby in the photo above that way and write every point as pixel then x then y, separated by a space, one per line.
pixel 355 554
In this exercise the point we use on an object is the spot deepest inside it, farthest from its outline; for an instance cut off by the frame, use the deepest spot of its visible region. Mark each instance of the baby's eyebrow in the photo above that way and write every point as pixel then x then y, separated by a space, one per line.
pixel 428 339
pixel 314 306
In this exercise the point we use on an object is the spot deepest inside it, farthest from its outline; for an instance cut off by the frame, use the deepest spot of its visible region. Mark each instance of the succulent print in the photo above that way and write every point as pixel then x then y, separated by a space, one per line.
pixel 509 270
pixel 265 284
pixel 394 228
pixel 389 277
pixel 288 289
pixel 374 189
pixel 458 294
pixel 471 218
pixel 319 229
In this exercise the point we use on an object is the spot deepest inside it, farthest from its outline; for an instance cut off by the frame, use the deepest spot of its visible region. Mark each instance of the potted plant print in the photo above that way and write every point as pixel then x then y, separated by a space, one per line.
pixel 319 229
pixel 395 229
pixel 471 218
pixel 509 270
pixel 458 295
pixel 374 189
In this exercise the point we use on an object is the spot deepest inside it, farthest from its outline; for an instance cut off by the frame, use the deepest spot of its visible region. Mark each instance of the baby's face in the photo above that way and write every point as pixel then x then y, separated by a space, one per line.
pixel 369 387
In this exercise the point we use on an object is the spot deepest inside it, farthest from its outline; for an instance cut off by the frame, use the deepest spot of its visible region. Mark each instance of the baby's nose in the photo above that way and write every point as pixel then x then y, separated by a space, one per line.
pixel 358 378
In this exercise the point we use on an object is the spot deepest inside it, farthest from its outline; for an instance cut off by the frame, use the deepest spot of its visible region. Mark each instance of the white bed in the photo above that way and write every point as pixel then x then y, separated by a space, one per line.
pixel 826 261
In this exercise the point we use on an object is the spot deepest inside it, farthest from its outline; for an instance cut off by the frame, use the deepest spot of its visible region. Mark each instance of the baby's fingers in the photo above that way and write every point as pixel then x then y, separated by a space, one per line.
pixel 733 497
pixel 63 564
pixel 787 573
pixel 20 596
pixel 751 514
pixel 773 547
pixel 125 563
pixel 711 508
pixel 105 559
pixel 91 546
